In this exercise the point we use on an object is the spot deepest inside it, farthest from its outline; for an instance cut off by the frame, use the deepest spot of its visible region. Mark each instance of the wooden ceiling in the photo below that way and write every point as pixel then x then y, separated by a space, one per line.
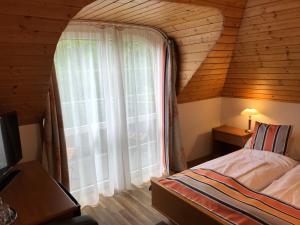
pixel 209 79
pixel 205 32
pixel 194 28
pixel 31 29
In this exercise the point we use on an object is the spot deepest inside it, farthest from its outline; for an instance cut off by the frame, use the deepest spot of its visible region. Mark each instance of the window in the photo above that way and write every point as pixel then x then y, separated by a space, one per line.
pixel 110 81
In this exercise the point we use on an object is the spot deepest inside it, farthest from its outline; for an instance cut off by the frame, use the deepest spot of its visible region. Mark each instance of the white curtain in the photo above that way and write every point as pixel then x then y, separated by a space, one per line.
pixel 111 82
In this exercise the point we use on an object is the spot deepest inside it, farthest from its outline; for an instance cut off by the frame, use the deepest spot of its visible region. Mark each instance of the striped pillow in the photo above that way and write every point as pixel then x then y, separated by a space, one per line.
pixel 273 138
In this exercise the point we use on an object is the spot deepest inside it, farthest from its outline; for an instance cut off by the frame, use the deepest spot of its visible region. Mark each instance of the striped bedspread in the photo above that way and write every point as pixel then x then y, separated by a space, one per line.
pixel 229 200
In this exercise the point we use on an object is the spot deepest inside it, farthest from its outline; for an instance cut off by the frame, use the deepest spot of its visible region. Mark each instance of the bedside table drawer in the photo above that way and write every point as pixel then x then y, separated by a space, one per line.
pixel 230 139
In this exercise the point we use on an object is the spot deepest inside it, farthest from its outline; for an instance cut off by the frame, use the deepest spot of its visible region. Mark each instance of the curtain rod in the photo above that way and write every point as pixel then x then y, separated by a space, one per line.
pixel 99 22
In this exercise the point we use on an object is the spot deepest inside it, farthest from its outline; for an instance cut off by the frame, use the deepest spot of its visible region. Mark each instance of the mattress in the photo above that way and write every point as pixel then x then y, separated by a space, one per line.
pixel 286 188
pixel 253 168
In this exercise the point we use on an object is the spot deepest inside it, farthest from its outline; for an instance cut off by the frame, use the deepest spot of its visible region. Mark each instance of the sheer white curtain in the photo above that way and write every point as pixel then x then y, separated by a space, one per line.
pixel 111 82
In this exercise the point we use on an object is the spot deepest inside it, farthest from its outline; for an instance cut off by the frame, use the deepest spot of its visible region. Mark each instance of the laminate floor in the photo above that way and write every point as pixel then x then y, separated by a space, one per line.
pixel 126 208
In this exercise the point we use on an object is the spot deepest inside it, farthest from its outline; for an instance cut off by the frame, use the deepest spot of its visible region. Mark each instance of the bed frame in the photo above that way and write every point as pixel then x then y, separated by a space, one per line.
pixel 178 209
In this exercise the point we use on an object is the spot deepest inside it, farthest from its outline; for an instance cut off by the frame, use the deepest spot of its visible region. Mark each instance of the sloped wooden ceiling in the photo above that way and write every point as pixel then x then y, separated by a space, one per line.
pixel 194 28
pixel 209 78
pixel 266 62
pixel 31 29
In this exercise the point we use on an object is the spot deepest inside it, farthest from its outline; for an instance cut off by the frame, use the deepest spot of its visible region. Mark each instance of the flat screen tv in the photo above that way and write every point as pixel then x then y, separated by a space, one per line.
pixel 10 145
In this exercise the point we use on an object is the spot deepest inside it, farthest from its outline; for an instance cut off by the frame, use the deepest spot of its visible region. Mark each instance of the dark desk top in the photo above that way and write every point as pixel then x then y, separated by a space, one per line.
pixel 35 196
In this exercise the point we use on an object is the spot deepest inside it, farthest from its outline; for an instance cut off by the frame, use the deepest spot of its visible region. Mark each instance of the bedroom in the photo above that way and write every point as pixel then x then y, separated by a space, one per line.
pixel 232 55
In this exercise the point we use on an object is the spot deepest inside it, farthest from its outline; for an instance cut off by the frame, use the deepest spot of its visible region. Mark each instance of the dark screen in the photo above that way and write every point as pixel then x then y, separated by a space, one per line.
pixel 10 146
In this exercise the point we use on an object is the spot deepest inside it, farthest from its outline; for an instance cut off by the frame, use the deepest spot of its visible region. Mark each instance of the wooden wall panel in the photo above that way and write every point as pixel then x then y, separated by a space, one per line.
pixel 30 31
pixel 215 67
pixel 29 34
pixel 266 61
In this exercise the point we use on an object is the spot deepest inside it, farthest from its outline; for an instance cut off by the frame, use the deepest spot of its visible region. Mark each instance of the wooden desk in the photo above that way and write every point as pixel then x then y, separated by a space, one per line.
pixel 36 197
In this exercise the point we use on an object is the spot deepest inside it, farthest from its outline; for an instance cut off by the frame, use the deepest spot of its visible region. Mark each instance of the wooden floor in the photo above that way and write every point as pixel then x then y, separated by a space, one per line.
pixel 127 208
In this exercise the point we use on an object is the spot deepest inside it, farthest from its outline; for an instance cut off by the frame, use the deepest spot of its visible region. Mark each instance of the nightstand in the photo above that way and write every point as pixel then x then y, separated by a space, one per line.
pixel 227 139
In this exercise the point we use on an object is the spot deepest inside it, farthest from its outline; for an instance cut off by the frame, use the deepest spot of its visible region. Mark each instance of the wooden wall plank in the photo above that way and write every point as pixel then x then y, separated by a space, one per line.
pixel 266 61
pixel 27 49
pixel 38 9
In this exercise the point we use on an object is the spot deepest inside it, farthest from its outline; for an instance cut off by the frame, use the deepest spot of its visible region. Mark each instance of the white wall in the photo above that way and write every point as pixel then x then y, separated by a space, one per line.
pixel 270 112
pixel 198 118
pixel 196 121
pixel 31 142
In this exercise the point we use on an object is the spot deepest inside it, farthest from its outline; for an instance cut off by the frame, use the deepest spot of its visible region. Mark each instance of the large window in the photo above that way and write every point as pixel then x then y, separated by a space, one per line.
pixel 110 82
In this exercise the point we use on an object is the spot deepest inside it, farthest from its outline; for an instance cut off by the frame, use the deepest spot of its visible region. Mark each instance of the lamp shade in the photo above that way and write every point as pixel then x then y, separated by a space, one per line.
pixel 249 112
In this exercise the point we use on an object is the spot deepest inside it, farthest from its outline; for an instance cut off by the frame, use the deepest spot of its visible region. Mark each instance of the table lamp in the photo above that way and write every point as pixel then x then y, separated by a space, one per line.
pixel 249 112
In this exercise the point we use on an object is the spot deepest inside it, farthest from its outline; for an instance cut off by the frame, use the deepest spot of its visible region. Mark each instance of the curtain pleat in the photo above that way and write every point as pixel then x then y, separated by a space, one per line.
pixel 174 151
pixel 54 155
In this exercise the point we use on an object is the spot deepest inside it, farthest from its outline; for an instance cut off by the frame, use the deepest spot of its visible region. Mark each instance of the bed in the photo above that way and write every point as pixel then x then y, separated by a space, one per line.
pixel 244 187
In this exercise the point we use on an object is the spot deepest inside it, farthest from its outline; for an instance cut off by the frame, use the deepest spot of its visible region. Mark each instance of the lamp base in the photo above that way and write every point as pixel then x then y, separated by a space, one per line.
pixel 249 125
